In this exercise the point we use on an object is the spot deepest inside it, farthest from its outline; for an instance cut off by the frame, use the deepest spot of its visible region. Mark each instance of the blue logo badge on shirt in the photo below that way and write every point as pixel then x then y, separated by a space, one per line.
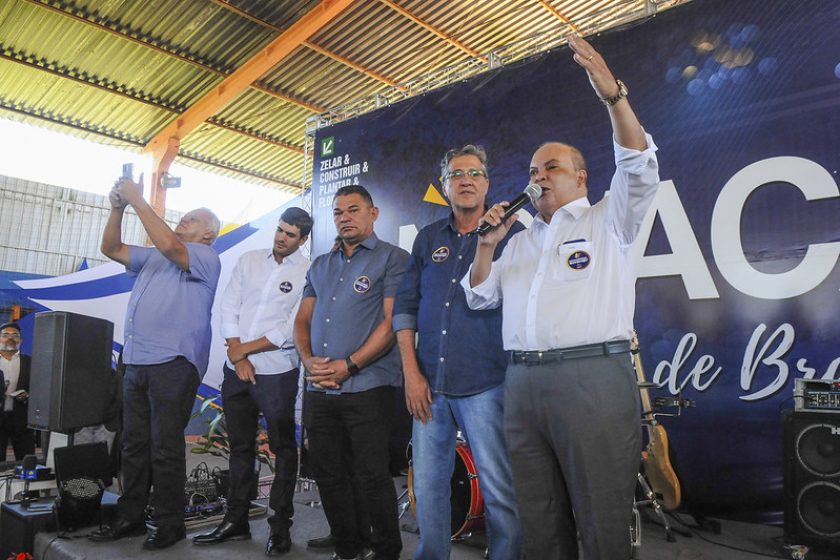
pixel 361 284
pixel 578 260
pixel 440 254
pixel 285 286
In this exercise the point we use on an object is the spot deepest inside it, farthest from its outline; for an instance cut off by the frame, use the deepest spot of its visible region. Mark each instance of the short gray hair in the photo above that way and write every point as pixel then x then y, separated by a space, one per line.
pixel 468 150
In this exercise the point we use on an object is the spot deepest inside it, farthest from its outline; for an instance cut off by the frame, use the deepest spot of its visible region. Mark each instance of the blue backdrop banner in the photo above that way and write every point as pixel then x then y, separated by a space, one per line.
pixel 737 260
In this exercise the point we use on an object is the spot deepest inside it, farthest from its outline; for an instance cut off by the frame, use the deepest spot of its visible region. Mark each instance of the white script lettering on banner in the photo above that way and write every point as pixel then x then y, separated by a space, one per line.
pixel 770 354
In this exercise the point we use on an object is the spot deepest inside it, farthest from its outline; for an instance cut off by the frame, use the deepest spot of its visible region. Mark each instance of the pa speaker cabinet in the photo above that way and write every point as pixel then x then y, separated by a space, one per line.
pixel 18 526
pixel 71 371
pixel 812 479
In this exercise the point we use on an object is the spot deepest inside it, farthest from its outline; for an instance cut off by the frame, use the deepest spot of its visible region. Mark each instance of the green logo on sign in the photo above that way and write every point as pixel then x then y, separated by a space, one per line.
pixel 327 146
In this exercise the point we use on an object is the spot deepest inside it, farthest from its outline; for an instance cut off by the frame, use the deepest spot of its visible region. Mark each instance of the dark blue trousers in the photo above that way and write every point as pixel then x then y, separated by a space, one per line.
pixel 157 403
pixel 274 396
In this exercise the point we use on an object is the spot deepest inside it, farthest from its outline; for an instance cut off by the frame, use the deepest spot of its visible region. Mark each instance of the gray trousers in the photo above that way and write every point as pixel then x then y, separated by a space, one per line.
pixel 573 431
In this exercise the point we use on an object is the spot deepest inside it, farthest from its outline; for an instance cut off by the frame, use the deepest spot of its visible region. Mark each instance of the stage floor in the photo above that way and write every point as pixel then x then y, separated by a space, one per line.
pixel 736 541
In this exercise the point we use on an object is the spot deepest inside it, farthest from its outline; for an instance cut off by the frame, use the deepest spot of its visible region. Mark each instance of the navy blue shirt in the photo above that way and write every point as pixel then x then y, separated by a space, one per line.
pixel 349 294
pixel 459 349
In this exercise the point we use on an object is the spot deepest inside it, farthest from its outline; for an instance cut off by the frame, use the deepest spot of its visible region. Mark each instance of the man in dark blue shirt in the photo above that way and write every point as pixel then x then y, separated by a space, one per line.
pixel 454 378
pixel 344 338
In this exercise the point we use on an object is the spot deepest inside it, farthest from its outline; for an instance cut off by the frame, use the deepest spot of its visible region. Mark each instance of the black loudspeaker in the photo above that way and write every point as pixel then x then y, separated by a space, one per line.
pixel 71 371
pixel 812 479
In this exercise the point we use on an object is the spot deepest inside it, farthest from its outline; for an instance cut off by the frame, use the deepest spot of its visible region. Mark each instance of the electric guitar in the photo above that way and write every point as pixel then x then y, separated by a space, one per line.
pixel 655 457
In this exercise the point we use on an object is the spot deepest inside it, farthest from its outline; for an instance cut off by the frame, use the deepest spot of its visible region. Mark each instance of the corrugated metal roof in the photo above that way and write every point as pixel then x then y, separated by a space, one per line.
pixel 124 69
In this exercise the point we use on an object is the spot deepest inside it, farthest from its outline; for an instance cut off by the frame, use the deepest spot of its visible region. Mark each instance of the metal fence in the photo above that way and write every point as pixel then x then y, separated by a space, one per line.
pixel 50 230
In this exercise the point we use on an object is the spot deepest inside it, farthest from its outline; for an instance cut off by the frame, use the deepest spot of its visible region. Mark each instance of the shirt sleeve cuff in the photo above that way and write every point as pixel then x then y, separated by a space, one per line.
pixel 477 295
pixel 634 161
pixel 229 330
pixel 404 321
pixel 276 337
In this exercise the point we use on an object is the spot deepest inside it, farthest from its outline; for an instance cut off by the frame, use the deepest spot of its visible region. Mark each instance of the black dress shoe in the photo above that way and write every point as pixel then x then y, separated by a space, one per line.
pixel 118 529
pixel 280 542
pixel 164 536
pixel 227 531
pixel 321 542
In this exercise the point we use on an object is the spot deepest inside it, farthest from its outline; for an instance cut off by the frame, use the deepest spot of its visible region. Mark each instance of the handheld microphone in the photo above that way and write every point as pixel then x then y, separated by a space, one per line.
pixel 531 193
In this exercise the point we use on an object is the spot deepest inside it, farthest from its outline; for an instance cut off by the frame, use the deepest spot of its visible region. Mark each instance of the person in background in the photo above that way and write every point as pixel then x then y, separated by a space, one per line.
pixel 14 378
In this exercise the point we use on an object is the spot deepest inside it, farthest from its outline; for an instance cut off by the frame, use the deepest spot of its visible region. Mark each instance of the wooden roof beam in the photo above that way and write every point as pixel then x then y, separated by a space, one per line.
pixel 249 72
pixel 165 51
pixel 427 26
pixel 553 11
pixel 357 67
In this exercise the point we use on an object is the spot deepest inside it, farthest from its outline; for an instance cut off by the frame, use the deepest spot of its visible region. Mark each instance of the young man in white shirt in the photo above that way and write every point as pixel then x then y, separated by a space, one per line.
pixel 261 375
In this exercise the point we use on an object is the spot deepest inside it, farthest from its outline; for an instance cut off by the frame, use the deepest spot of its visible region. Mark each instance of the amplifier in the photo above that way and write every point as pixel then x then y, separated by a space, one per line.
pixel 816 395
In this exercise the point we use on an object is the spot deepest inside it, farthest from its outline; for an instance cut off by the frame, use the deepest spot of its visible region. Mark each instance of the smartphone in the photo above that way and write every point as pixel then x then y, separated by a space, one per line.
pixel 127 171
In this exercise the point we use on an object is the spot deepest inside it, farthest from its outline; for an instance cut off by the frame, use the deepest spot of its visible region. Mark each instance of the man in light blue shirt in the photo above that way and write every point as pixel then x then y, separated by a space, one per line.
pixel 167 346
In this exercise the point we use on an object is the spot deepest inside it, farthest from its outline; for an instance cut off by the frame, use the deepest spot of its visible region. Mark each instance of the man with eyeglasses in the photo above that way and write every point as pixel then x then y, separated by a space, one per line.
pixel 567 291
pixel 14 376
pixel 166 350
pixel 454 377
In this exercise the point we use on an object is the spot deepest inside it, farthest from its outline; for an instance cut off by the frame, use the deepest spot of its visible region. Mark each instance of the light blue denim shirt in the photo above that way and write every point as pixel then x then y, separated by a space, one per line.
pixel 169 309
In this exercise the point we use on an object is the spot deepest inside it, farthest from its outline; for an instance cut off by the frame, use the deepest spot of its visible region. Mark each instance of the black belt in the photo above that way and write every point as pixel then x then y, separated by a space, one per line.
pixel 586 351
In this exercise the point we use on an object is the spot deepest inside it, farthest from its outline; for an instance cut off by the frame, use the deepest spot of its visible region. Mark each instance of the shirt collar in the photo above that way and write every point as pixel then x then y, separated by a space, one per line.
pixel 575 209
pixel 369 243
pixel 292 259
pixel 450 223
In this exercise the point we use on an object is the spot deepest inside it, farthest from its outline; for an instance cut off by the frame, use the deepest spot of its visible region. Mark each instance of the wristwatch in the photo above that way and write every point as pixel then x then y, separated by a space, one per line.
pixel 352 368
pixel 622 93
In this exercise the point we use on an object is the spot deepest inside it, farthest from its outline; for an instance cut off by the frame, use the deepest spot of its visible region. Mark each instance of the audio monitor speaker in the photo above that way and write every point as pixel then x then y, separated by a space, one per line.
pixel 812 479
pixel 71 380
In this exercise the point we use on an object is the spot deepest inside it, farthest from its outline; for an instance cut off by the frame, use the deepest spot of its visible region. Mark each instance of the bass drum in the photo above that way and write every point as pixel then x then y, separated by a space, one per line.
pixel 466 499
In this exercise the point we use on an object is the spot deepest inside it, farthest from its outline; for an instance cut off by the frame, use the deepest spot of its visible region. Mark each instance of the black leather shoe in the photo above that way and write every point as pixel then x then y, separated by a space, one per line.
pixel 280 542
pixel 321 542
pixel 118 529
pixel 227 531
pixel 164 536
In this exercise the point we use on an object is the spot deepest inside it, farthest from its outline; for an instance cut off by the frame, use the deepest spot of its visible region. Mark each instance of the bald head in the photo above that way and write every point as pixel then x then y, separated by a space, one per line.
pixel 198 226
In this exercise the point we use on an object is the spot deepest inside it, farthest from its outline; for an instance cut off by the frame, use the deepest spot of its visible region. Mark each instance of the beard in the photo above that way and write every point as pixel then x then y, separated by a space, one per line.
pixel 9 347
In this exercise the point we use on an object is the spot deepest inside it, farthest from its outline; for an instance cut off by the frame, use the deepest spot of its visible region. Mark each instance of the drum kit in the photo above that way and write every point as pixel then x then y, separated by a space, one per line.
pixel 465 498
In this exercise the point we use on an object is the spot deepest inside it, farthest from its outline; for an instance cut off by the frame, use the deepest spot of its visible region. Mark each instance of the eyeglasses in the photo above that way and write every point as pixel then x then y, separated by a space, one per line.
pixel 10 335
pixel 459 173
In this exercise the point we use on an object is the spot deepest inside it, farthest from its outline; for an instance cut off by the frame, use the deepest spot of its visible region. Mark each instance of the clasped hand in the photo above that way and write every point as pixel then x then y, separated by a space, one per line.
pixel 325 372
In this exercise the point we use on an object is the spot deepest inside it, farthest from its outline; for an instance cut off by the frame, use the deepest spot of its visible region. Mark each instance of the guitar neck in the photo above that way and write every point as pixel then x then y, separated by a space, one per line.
pixel 647 408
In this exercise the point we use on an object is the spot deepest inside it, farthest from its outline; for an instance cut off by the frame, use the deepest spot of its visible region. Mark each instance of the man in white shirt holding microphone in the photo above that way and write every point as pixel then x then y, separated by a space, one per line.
pixel 567 290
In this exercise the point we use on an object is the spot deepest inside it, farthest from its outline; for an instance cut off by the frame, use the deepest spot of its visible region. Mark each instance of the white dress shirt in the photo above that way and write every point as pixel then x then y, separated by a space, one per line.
pixel 11 373
pixel 571 282
pixel 262 299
